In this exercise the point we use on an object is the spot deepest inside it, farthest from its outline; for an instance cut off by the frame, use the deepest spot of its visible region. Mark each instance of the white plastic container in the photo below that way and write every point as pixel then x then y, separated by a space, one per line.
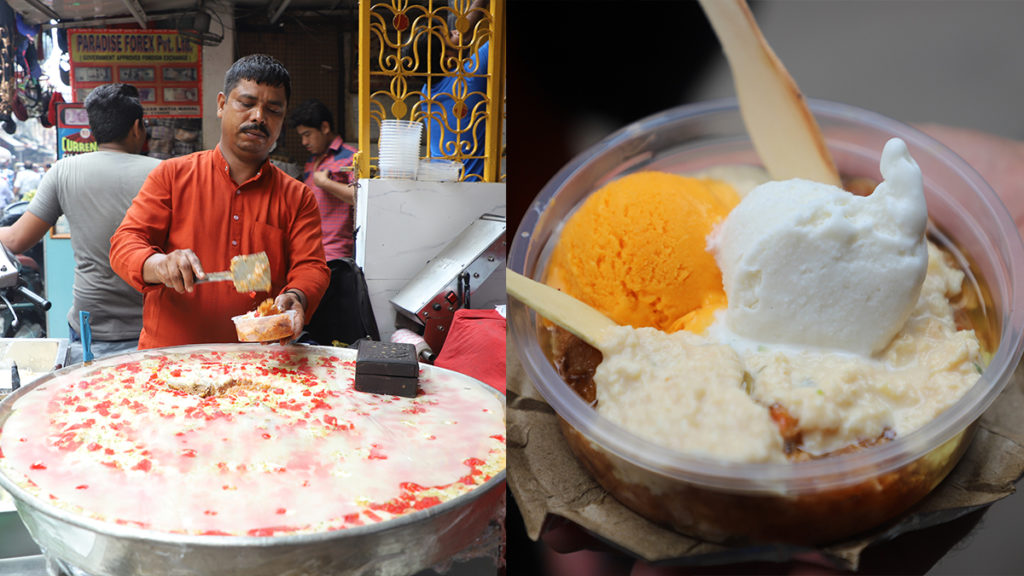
pixel 812 501
pixel 252 328
pixel 439 170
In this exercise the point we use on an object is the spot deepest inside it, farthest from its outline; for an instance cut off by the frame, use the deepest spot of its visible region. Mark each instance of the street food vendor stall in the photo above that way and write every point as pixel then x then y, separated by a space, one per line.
pixel 241 451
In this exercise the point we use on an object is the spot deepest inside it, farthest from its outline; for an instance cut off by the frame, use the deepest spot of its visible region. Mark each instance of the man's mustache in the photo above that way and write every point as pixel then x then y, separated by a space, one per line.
pixel 261 127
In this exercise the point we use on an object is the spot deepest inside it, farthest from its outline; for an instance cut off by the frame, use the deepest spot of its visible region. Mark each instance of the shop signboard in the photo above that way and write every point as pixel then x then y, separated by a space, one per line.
pixel 164 65
pixel 73 133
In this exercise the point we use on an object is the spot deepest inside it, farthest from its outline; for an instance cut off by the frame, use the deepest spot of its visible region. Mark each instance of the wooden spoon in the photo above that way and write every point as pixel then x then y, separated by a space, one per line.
pixel 785 134
pixel 580 319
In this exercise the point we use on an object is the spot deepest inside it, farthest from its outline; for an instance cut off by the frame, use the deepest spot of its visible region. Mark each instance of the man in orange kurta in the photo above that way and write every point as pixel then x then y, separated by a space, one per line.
pixel 196 212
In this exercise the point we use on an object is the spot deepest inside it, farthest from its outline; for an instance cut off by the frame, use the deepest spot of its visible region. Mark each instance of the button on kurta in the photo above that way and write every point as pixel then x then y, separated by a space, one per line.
pixel 235 223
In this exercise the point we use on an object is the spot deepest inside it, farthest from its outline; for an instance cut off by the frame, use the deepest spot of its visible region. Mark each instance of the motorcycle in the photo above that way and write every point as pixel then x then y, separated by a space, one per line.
pixel 23 309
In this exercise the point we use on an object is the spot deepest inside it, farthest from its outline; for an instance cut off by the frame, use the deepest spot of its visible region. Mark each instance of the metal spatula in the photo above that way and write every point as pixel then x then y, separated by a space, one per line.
pixel 577 317
pixel 249 272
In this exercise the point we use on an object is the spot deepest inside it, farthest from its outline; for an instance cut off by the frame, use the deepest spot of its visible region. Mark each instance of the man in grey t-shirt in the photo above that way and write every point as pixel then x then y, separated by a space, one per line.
pixel 94 191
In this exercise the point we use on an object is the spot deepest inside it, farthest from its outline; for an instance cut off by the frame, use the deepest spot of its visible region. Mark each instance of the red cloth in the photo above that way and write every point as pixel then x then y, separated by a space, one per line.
pixel 475 346
pixel 191 202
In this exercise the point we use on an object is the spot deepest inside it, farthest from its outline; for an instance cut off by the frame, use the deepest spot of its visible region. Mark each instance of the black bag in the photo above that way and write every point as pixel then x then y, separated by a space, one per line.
pixel 345 314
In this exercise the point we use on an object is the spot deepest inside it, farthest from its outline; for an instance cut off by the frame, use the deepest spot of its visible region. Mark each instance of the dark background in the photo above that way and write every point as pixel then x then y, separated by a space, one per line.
pixel 586 69
pixel 566 95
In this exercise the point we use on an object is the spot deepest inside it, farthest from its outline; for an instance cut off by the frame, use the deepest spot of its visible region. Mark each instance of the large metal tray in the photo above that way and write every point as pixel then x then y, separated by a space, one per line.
pixel 404 545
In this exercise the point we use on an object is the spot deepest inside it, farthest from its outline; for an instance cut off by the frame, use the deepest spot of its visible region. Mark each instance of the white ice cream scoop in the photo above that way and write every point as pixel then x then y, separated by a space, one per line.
pixel 810 264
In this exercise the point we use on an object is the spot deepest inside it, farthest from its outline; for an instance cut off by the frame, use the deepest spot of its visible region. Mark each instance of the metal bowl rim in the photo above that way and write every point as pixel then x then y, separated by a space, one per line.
pixel 142 534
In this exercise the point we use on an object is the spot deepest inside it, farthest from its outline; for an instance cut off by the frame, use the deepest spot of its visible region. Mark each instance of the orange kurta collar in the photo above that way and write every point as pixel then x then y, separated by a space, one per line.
pixel 221 163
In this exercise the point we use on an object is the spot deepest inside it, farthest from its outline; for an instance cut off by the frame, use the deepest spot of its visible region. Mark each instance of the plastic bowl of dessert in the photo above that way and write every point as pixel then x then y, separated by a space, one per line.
pixel 267 323
pixel 810 501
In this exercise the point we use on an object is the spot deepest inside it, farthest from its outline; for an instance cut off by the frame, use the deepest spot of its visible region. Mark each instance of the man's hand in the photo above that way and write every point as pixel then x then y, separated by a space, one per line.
pixel 291 299
pixel 341 190
pixel 178 270
pixel 321 177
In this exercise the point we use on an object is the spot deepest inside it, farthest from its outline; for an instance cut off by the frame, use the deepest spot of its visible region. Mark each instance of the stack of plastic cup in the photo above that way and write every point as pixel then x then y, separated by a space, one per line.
pixel 400 149
pixel 439 170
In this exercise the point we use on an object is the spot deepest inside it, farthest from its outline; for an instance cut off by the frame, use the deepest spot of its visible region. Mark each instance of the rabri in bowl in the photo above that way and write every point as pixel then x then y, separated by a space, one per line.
pixel 813 500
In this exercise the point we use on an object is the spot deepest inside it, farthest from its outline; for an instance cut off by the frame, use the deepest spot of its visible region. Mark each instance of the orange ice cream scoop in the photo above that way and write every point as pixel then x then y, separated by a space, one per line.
pixel 636 251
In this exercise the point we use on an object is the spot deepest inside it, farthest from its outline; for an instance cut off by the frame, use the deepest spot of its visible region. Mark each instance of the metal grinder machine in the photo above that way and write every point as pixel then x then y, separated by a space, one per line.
pixel 468 273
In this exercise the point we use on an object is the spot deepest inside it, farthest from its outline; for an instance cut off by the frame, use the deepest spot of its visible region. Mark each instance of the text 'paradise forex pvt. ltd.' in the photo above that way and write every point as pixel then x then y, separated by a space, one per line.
pixel 139 43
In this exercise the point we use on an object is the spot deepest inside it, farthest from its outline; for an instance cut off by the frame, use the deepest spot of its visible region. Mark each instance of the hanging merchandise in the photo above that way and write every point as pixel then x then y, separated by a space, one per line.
pixel 44 46
pixel 32 96
pixel 51 111
pixel 65 69
pixel 65 57
pixel 18 109
pixel 44 112
pixel 28 59
pixel 7 32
